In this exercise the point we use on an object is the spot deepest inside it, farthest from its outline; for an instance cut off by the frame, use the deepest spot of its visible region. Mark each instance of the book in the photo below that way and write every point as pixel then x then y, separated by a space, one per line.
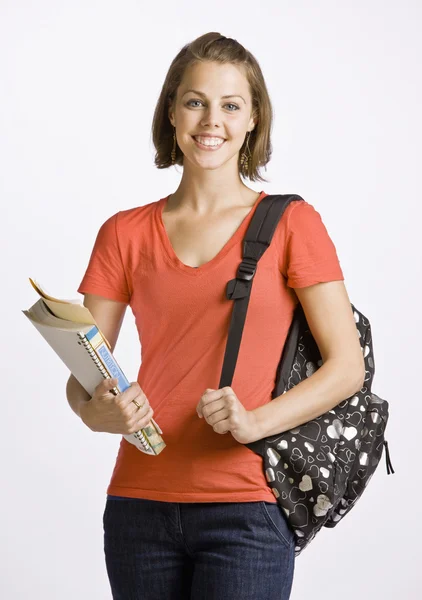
pixel 70 329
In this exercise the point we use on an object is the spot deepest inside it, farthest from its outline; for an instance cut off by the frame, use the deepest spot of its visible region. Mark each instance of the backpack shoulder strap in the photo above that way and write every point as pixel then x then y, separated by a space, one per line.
pixel 257 239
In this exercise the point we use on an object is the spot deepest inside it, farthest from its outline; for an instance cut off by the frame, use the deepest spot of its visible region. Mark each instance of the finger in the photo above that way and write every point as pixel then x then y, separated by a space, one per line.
pixel 211 395
pixel 133 415
pixel 142 408
pixel 131 412
pixel 106 385
pixel 217 417
pixel 146 418
pixel 222 427
pixel 142 422
pixel 213 407
pixel 134 392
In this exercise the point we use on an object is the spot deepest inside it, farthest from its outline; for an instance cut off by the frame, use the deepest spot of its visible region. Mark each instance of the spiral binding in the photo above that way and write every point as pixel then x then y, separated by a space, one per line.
pixel 88 347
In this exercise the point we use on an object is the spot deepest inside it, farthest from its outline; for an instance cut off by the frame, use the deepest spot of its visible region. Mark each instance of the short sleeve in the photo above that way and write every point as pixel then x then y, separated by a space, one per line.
pixel 105 274
pixel 307 253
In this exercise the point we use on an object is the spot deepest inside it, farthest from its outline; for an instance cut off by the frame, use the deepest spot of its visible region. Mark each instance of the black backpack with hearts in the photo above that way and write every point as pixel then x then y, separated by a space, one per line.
pixel 317 471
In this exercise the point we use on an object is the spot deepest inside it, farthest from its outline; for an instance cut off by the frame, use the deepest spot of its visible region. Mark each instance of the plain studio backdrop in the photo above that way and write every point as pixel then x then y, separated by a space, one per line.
pixel 79 83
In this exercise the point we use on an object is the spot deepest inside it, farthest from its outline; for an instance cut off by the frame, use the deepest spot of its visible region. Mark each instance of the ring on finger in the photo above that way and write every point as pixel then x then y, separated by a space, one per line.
pixel 138 406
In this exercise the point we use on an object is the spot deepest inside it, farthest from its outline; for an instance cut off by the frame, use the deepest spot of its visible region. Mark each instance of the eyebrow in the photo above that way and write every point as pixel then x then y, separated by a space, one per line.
pixel 227 96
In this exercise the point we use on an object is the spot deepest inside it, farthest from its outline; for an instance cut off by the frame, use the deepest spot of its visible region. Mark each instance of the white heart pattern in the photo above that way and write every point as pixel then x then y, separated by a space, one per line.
pixel 350 432
pixel 335 430
pixel 273 456
pixel 347 440
pixel 322 505
pixel 306 484
pixel 269 473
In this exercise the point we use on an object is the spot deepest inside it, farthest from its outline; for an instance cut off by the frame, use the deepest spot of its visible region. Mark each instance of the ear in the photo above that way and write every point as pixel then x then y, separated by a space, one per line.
pixel 171 114
pixel 253 120
pixel 252 124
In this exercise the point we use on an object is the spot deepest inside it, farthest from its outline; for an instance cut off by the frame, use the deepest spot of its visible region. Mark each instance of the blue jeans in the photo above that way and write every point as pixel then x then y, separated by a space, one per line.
pixel 197 551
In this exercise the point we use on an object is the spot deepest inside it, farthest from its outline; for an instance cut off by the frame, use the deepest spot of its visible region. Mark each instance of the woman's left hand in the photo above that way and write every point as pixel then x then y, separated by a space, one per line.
pixel 223 410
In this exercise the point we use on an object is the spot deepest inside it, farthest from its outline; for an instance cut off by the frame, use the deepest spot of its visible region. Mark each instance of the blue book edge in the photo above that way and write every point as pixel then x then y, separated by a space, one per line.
pixel 108 360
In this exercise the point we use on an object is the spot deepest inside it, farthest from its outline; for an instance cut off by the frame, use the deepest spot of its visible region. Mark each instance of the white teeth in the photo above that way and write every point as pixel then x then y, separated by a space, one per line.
pixel 206 141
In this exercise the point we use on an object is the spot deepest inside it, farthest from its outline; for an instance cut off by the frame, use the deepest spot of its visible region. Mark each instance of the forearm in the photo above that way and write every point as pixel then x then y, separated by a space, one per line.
pixel 76 395
pixel 328 386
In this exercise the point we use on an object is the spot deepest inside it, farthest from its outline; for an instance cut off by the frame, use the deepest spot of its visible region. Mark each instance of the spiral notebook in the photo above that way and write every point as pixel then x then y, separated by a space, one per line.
pixel 87 354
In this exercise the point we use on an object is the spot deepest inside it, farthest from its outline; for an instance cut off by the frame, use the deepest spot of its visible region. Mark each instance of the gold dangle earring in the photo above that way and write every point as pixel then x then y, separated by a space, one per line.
pixel 244 158
pixel 173 152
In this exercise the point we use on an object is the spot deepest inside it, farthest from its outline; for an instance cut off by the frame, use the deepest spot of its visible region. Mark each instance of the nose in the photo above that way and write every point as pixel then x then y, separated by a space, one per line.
pixel 211 117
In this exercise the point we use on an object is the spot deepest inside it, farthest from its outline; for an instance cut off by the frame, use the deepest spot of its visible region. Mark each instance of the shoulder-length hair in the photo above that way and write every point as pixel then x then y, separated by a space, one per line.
pixel 215 47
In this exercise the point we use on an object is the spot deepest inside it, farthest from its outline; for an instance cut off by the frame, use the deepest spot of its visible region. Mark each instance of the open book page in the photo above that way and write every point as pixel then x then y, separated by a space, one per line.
pixel 70 310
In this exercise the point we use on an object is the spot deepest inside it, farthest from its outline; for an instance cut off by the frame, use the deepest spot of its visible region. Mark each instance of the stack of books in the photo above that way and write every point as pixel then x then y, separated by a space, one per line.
pixel 70 329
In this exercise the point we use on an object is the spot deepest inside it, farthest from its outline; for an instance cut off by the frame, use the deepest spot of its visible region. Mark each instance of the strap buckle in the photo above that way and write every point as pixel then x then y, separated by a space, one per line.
pixel 246 269
pixel 240 286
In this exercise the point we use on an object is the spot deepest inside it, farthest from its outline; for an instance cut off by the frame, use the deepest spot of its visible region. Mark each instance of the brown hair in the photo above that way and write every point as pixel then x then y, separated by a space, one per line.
pixel 215 47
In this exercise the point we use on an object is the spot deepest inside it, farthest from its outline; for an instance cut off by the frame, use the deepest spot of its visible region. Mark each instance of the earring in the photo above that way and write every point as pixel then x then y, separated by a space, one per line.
pixel 173 152
pixel 244 158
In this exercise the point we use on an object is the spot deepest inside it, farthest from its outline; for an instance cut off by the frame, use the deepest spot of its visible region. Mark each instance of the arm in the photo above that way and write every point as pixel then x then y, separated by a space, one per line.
pixel 330 319
pixel 108 315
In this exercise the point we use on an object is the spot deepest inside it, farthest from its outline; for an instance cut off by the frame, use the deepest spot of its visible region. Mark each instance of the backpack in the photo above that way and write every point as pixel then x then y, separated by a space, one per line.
pixel 316 471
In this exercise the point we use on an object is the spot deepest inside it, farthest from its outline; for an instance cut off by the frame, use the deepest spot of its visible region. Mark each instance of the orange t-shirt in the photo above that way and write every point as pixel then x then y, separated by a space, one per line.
pixel 182 316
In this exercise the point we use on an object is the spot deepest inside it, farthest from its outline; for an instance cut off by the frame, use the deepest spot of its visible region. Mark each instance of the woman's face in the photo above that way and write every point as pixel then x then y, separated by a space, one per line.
pixel 206 111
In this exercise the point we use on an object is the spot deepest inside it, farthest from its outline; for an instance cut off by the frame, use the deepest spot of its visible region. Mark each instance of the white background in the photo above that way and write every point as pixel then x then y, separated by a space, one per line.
pixel 78 85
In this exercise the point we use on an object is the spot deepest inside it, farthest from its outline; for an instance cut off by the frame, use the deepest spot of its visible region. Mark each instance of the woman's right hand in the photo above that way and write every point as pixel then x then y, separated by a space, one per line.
pixel 116 414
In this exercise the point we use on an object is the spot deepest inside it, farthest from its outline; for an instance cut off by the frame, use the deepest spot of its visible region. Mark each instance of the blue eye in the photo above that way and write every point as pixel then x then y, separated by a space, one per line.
pixel 228 104
pixel 189 102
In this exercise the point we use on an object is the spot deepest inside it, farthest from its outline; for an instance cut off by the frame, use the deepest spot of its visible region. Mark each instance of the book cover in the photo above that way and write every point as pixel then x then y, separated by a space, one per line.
pixel 87 354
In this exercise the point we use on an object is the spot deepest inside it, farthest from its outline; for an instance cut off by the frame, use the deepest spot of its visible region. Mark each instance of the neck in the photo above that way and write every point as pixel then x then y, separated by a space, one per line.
pixel 204 191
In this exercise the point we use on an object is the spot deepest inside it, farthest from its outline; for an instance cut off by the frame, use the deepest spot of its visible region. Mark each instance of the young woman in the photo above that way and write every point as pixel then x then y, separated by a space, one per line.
pixel 199 520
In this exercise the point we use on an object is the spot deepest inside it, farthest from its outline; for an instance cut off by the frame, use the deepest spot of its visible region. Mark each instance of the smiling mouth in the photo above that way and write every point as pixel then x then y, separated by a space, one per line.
pixel 214 146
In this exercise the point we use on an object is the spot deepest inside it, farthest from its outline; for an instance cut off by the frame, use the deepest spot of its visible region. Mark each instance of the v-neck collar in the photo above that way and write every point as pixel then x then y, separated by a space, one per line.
pixel 196 271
